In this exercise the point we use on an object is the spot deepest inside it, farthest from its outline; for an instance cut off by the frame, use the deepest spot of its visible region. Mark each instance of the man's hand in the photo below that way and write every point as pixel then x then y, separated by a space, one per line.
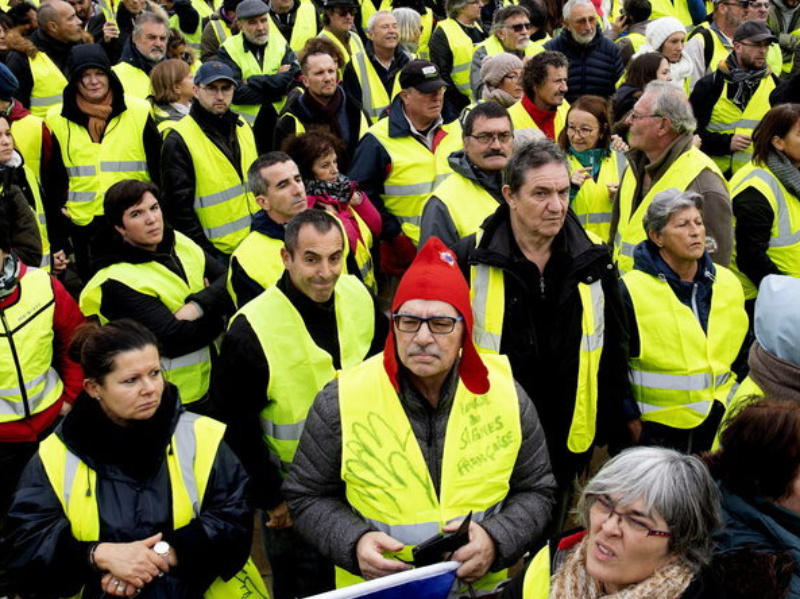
pixel 132 564
pixel 369 552
pixel 740 142
pixel 477 556
pixel 60 262
pixel 110 31
pixel 280 517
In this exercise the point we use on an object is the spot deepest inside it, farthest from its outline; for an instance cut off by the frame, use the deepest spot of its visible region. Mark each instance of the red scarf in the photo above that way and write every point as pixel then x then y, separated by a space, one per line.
pixel 544 119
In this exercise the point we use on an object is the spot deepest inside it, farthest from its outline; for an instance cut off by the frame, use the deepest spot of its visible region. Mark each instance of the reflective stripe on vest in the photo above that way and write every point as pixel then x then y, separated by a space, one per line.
pixel 249 66
pixel 48 84
pixel 681 370
pixel 487 291
pixel 522 120
pixel 462 48
pixel 189 372
pixel 386 479
pixel 374 98
pixel 354 45
pixel 259 256
pixel 593 203
pixel 220 29
pixel 298 367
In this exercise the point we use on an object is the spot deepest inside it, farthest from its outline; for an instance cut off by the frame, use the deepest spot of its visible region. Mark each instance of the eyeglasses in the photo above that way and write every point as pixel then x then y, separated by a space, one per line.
pixel 486 138
pixel 582 131
pixel 437 325
pixel 519 27
pixel 343 12
pixel 606 507
pixel 763 46
pixel 759 5
pixel 637 117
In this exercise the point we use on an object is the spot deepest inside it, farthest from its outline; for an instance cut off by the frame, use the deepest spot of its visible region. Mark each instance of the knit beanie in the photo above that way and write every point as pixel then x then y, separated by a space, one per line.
pixel 494 68
pixel 434 275
pixel 659 30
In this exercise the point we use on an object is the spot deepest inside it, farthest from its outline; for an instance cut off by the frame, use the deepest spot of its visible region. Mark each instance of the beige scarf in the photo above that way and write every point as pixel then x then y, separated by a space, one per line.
pixel 573 582
pixel 98 114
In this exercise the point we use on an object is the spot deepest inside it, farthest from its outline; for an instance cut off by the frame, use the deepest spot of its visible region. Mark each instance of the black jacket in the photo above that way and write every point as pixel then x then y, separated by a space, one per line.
pixel 542 329
pixel 442 57
pixel 351 84
pixel 259 89
pixel 133 496
pixel 594 68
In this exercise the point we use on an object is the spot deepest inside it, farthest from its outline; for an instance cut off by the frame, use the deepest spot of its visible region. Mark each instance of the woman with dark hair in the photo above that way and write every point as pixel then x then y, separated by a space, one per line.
pixel 6 24
pixel 643 69
pixel 595 168
pixel 316 154
pixel 131 494
pixel 766 202
pixel 161 279
pixel 173 91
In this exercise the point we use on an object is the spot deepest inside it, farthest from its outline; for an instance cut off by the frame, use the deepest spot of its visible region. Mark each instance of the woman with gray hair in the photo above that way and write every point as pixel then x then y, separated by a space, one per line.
pixel 687 324
pixel 501 79
pixel 649 516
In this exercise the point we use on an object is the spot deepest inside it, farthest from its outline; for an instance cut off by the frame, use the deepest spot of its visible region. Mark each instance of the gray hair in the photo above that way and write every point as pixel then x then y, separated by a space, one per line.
pixel 409 23
pixel 671 102
pixel 676 486
pixel 502 15
pixel 150 16
pixel 665 204
pixel 533 155
pixel 572 4
pixel 373 18
pixel 454 7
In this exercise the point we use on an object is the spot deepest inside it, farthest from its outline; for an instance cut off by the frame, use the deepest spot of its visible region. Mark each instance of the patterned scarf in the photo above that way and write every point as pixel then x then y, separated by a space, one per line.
pixel 571 581
pixel 9 275
pixel 340 190
pixel 785 171
pixel 746 82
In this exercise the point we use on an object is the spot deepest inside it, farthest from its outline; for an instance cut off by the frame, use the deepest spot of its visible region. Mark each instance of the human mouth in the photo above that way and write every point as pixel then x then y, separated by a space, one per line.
pixel 603 552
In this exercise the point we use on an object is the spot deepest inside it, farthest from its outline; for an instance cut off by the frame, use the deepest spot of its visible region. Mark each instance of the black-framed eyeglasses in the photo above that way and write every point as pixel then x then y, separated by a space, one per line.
pixel 487 138
pixel 437 325
pixel 606 507
pixel 519 27
pixel 637 117
pixel 344 11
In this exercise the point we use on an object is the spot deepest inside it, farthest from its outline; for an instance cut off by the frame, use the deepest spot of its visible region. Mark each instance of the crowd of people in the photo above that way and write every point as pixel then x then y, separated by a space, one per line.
pixel 356 272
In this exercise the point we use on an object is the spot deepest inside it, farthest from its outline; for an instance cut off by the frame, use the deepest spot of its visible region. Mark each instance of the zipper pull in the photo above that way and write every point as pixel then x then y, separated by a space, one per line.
pixel 541 285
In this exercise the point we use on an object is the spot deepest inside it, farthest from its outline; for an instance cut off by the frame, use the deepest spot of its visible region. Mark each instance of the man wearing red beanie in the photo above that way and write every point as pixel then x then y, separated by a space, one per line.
pixel 375 474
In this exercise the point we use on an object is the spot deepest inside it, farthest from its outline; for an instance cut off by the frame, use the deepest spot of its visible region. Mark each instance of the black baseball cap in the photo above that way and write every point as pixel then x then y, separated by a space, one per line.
pixel 211 71
pixel 753 31
pixel 422 75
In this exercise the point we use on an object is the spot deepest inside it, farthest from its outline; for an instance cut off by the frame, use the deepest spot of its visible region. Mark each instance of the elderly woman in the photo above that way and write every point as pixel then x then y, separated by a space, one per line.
pixel 161 279
pixel 687 323
pixel 649 515
pixel 667 36
pixel 158 503
pixel 409 29
pixel 173 91
pixel 501 79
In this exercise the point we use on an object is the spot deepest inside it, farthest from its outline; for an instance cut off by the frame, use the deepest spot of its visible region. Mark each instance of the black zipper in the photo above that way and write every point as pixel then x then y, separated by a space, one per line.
pixel 14 354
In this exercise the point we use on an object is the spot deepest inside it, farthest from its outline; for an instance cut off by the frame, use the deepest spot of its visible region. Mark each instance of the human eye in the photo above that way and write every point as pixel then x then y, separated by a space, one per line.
pixel 134 213
pixel 483 138
pixel 505 137
pixel 442 324
pixel 130 380
pixel 155 373
pixel 636 524
pixel 408 322
pixel 604 503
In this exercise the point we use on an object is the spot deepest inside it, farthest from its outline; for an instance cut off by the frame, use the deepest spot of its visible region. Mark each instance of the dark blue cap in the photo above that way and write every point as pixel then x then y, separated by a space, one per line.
pixel 211 71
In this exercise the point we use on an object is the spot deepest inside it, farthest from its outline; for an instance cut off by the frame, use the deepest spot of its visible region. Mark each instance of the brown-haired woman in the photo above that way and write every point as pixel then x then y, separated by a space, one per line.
pixel 173 90
pixel 766 202
pixel 644 68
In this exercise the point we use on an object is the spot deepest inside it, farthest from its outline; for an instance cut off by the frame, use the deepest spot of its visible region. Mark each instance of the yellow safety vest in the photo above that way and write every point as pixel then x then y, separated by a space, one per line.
pixel 536 584
pixel 630 230
pixel 134 81
pixel 354 46
pixel 28 382
pixel 720 50
pixel 462 48
pixel 363 255
pixel 386 479
pixel 374 99
pixel 671 8
pixel 415 172
pixel 94 167
pixel 248 65
pixel 423 49
pixel 681 369
pixel 487 292
pixel 593 204
pixel 48 84
pixel 368 9
pixel 741 395
pixel 788 57
pixel 41 218
pixel 305 25
pixel 221 200
pixel 220 28
pixel 522 120
pixel 190 459
pixel 775 58
pixel 784 242
pixel 193 38
pixel 468 203
pixel 259 256
pixel 636 40
pixel 494 47
pixel 27 134
pixel 298 367
pixel 726 118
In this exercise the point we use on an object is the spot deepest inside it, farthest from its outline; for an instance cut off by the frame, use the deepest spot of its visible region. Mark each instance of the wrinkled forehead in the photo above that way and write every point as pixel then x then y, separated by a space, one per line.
pixel 424 308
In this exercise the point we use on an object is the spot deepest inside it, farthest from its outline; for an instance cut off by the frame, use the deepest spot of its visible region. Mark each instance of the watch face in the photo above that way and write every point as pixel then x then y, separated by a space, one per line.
pixel 161 548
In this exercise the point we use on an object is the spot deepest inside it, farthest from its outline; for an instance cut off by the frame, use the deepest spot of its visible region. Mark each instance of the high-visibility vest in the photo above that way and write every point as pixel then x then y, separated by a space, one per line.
pixel 522 120
pixel 494 47
pixel 193 38
pixel 354 46
pixel 681 369
pixel 190 459
pixel 636 39
pixel 221 200
pixel 259 256
pixel 27 134
pixel 41 218
pixel 374 98
pixel 468 203
pixel 134 81
pixel 94 167
pixel 248 65
pixel 28 382
pixel 305 26
pixel 630 230
pixel 536 584
pixel 190 373
pixel 48 84
pixel 462 48
pixel 387 481
pixel 784 237
pixel 720 51
pixel 424 47
pixel 727 118
pixel 298 367
pixel 671 8
pixel 788 57
pixel 221 29
pixel 740 396
pixel 487 292
pixel 368 9
pixel 775 58
pixel 593 204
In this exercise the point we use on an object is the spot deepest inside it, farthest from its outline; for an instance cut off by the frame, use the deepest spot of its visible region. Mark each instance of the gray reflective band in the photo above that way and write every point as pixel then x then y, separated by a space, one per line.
pixel 627 249
pixel 195 45
pixel 741 123
pixel 671 382
pixel 42 218
pixel 699 406
pixel 186 442
pixel 366 88
pixel 250 119
pixel 190 359
pixel 82 171
pixel 81 196
pixel 45 100
pixel 481 336
pixel 214 199
pixel 594 218
pixel 441 177
pixel 123 166
pixel 459 68
pixel 411 220
pixel 786 237
pixel 365 268
pixel 283 432
pixel 622 164
pixel 414 534
pixel 70 471
pixel 742 156
pixel 412 189
pixel 594 341
pixel 11 407
pixel 46 261
pixel 240 224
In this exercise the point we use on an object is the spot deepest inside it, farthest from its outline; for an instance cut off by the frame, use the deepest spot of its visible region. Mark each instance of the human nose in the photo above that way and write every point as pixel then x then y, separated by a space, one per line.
pixel 423 335
pixel 612 525
pixel 148 386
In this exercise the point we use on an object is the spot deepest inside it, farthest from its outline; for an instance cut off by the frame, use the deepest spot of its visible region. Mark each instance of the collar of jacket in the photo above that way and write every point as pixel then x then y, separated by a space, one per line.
pixel 640 164
pixel 108 247
pixel 570 41
pixel 491 182
pixel 131 55
pixel 648 259
pixel 399 60
pixel 262 223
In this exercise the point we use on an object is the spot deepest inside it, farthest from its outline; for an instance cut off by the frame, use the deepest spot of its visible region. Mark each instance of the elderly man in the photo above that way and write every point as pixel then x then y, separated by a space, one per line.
pixel 144 50
pixel 712 40
pixel 264 66
pixel 544 83
pixel 663 156
pixel 731 101
pixel 282 348
pixel 451 47
pixel 511 30
pixel 595 63
pixel 546 296
pixel 381 476
pixel 371 77
pixel 462 201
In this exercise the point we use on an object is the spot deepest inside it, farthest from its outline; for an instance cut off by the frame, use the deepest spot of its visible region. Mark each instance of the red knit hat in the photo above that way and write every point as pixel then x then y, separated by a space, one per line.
pixel 434 275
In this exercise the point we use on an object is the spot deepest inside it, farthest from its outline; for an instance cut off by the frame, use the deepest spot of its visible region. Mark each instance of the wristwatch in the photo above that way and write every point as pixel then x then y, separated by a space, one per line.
pixel 162 548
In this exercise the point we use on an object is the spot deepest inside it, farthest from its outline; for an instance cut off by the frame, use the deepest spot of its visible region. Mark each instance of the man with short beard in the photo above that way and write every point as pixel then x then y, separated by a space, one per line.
pixel 595 64
pixel 144 50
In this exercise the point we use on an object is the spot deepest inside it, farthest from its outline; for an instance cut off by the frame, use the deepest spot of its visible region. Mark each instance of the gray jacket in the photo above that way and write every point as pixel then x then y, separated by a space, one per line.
pixel 316 492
